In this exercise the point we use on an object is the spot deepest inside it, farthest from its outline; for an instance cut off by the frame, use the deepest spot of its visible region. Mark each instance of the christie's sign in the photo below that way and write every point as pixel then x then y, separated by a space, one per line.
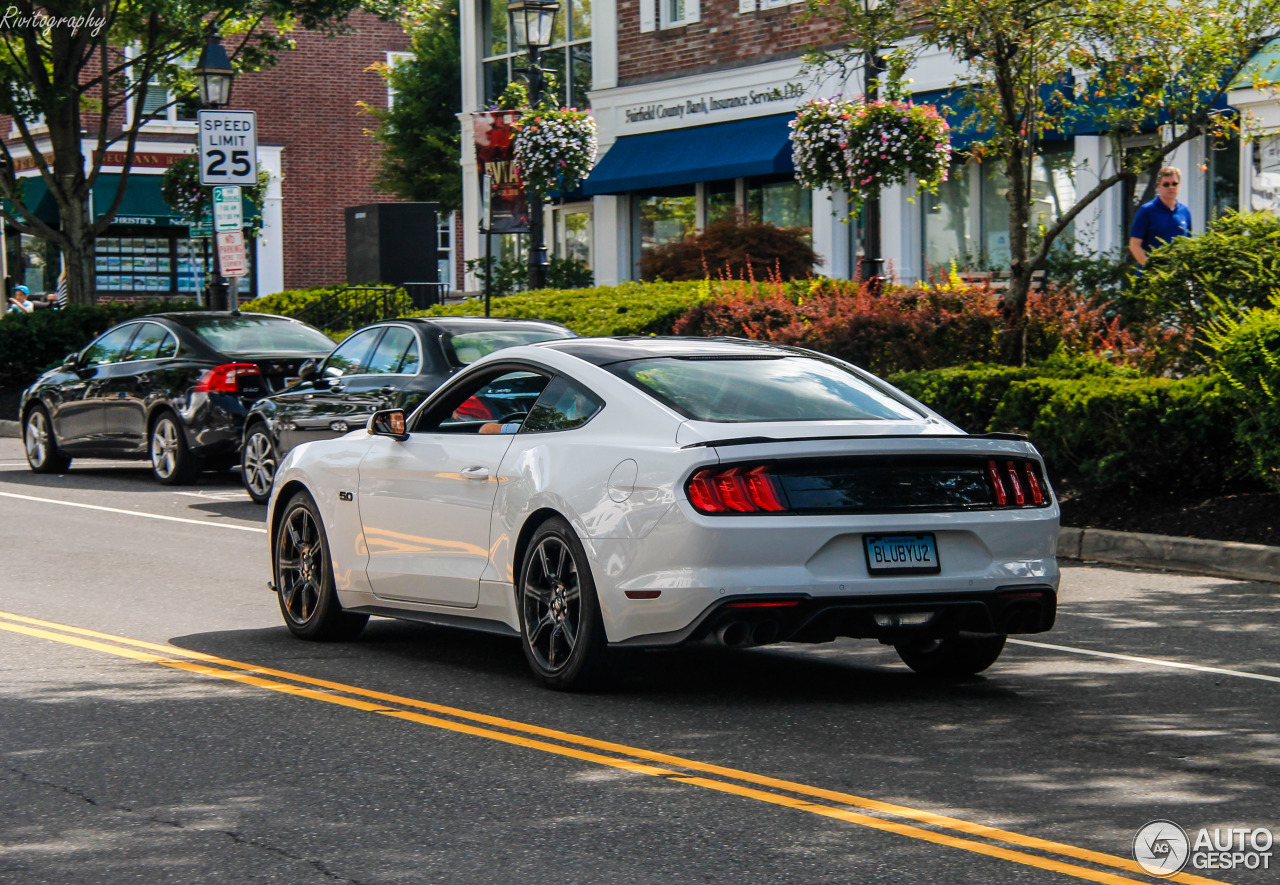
pixel 708 105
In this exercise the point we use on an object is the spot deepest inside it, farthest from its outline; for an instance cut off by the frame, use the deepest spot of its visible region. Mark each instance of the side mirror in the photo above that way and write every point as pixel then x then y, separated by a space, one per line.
pixel 307 371
pixel 71 362
pixel 388 422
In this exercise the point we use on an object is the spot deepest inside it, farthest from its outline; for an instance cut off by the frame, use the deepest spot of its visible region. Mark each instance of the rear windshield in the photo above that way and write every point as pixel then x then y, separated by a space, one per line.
pixel 464 348
pixel 733 390
pixel 258 335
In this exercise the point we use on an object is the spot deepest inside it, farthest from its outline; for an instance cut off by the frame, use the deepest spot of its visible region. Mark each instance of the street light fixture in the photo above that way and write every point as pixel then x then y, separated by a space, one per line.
pixel 214 76
pixel 532 24
pixel 214 73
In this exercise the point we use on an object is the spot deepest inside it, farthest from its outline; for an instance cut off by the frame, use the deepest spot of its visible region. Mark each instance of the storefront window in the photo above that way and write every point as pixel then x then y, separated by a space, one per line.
pixel 781 201
pixel 722 199
pixel 33 262
pixel 131 261
pixel 663 216
pixel 1053 191
pixel 573 234
pixel 948 232
pixel 1224 174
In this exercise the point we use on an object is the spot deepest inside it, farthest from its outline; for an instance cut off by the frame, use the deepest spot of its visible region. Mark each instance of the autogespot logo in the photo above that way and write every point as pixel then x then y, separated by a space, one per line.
pixel 1161 848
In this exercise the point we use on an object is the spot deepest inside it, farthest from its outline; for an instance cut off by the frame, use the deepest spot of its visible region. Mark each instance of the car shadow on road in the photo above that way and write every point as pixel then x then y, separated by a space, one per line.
pixel 116 476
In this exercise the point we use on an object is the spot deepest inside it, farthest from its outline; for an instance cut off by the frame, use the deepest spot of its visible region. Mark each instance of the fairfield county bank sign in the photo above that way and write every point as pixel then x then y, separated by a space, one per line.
pixel 705 107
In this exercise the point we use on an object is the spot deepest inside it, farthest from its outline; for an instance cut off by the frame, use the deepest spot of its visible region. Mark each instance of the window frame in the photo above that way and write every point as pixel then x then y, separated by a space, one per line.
pixel 453 395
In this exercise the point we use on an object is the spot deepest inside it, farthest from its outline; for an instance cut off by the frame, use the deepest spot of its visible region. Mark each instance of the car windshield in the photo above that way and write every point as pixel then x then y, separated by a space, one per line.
pixel 245 335
pixel 467 347
pixel 734 390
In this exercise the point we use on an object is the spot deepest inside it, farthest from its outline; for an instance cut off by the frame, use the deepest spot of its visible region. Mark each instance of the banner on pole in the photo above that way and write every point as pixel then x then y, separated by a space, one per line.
pixel 495 152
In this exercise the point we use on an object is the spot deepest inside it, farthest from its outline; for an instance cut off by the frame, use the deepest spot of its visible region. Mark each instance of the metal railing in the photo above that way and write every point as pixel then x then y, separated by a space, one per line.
pixel 355 306
pixel 424 295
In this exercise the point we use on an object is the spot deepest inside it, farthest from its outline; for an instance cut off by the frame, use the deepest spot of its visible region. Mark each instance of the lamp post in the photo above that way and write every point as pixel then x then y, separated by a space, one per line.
pixel 532 22
pixel 871 271
pixel 214 76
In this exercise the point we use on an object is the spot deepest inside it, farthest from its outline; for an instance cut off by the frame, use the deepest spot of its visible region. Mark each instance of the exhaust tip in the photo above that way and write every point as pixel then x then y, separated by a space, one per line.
pixel 734 634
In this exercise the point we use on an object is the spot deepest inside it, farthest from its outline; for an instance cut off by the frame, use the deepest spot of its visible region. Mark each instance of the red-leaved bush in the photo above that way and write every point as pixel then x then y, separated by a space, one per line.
pixel 906 328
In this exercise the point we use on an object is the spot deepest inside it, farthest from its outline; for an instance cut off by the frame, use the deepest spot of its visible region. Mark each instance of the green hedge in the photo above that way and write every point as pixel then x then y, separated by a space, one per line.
pixel 1247 351
pixel 1102 428
pixel 627 309
pixel 31 343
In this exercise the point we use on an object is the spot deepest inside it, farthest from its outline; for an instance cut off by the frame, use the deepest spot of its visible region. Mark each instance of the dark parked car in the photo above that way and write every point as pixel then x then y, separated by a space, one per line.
pixel 174 388
pixel 394 364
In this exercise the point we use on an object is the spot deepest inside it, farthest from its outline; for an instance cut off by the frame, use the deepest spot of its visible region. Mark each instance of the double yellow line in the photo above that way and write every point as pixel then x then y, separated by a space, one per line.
pixel 886 817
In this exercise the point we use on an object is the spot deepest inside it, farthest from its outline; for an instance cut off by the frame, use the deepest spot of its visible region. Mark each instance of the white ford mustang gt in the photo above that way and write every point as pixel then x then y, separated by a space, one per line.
pixel 592 494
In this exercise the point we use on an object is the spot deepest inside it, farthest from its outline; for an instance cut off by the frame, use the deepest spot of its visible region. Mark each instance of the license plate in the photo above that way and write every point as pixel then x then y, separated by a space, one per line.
pixel 901 554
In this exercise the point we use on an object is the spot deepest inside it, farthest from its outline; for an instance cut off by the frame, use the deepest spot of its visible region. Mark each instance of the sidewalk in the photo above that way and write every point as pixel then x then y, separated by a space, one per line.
pixel 1223 559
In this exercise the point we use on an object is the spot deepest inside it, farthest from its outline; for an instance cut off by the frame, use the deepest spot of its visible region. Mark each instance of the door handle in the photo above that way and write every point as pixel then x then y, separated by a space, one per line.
pixel 475 472
pixel 386 391
pixel 336 388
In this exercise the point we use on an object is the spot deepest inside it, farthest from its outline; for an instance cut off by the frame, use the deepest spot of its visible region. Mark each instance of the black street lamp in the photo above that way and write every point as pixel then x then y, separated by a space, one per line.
pixel 532 22
pixel 214 76
pixel 872 270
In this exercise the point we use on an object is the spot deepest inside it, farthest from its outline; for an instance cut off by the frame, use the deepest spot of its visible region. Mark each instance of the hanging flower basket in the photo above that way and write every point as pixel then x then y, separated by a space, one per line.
pixel 818 137
pixel 555 148
pixel 848 146
pixel 891 141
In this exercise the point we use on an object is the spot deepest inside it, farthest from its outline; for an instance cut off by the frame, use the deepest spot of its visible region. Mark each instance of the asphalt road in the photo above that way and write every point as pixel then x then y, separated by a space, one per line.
pixel 158 724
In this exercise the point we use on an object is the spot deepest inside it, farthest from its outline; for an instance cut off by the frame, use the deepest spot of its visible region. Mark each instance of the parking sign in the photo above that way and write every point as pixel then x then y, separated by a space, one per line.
pixel 228 147
pixel 227 214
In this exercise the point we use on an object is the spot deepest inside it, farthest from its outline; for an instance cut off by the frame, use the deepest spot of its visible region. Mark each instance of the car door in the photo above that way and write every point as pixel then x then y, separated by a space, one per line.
pixel 307 414
pixel 128 384
pixel 426 502
pixel 78 420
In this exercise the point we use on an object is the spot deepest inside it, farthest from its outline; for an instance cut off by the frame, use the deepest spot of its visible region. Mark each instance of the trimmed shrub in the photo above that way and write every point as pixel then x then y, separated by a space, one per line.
pixel 1236 262
pixel 1247 352
pixel 31 343
pixel 627 309
pixel 733 248
pixel 1130 433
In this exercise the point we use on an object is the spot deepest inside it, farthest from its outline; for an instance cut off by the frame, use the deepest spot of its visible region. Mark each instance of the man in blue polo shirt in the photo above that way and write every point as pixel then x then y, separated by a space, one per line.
pixel 1162 220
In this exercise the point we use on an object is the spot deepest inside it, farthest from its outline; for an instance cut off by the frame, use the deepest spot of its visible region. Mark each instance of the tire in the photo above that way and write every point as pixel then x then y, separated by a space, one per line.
pixel 953 657
pixel 303 574
pixel 259 459
pixel 561 630
pixel 42 447
pixel 171 460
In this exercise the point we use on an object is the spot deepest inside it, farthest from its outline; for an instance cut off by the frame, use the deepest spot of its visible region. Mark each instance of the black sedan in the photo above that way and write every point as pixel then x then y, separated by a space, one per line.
pixel 174 388
pixel 394 364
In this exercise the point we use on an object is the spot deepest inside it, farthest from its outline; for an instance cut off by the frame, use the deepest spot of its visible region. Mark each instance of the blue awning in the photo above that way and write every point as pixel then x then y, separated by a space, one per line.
pixel 965 131
pixel 741 148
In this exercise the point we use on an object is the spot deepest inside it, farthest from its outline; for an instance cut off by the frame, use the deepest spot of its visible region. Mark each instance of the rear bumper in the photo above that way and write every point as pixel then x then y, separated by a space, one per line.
pixel 753 620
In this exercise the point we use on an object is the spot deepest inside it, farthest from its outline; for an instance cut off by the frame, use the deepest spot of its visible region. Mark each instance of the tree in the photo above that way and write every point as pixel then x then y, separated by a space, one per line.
pixel 75 67
pixel 419 132
pixel 1029 68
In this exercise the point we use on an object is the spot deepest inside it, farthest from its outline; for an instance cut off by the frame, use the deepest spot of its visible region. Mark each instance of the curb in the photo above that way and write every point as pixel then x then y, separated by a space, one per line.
pixel 1220 559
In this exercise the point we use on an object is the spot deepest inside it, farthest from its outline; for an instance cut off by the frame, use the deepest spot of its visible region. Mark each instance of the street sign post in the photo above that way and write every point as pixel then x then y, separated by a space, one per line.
pixel 227 212
pixel 231 253
pixel 228 143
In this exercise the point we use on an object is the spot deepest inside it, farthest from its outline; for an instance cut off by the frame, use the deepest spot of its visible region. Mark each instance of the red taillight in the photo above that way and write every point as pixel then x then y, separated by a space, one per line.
pixel 735 489
pixel 1016 483
pixel 788 604
pixel 1033 483
pixel 225 378
pixel 993 474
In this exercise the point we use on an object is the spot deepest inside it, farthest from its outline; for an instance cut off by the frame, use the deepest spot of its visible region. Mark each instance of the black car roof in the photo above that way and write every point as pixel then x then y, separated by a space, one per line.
pixel 476 324
pixel 603 351
pixel 182 316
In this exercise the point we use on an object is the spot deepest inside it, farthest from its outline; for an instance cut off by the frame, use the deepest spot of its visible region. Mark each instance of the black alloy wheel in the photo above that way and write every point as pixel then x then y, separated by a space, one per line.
pixel 42 448
pixel 304 576
pixel 171 460
pixel 258 462
pixel 560 624
pixel 953 657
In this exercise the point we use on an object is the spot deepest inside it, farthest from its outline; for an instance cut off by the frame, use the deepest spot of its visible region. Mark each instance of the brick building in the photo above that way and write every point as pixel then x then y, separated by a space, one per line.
pixel 311 137
pixel 692 97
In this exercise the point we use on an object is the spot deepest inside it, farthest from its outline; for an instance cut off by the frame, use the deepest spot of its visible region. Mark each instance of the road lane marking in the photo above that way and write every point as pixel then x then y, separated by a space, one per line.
pixel 1155 662
pixel 204 522
pixel 250 674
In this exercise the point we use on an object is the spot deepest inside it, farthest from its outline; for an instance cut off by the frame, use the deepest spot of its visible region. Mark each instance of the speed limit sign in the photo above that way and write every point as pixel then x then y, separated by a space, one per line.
pixel 228 147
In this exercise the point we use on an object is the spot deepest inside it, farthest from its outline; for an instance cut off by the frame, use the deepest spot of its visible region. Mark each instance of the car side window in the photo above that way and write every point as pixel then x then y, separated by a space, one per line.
pixel 562 406
pixel 489 404
pixel 397 349
pixel 351 356
pixel 153 341
pixel 111 347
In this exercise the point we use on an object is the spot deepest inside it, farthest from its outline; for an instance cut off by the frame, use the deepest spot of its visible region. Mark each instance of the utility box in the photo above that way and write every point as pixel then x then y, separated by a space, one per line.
pixel 392 243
